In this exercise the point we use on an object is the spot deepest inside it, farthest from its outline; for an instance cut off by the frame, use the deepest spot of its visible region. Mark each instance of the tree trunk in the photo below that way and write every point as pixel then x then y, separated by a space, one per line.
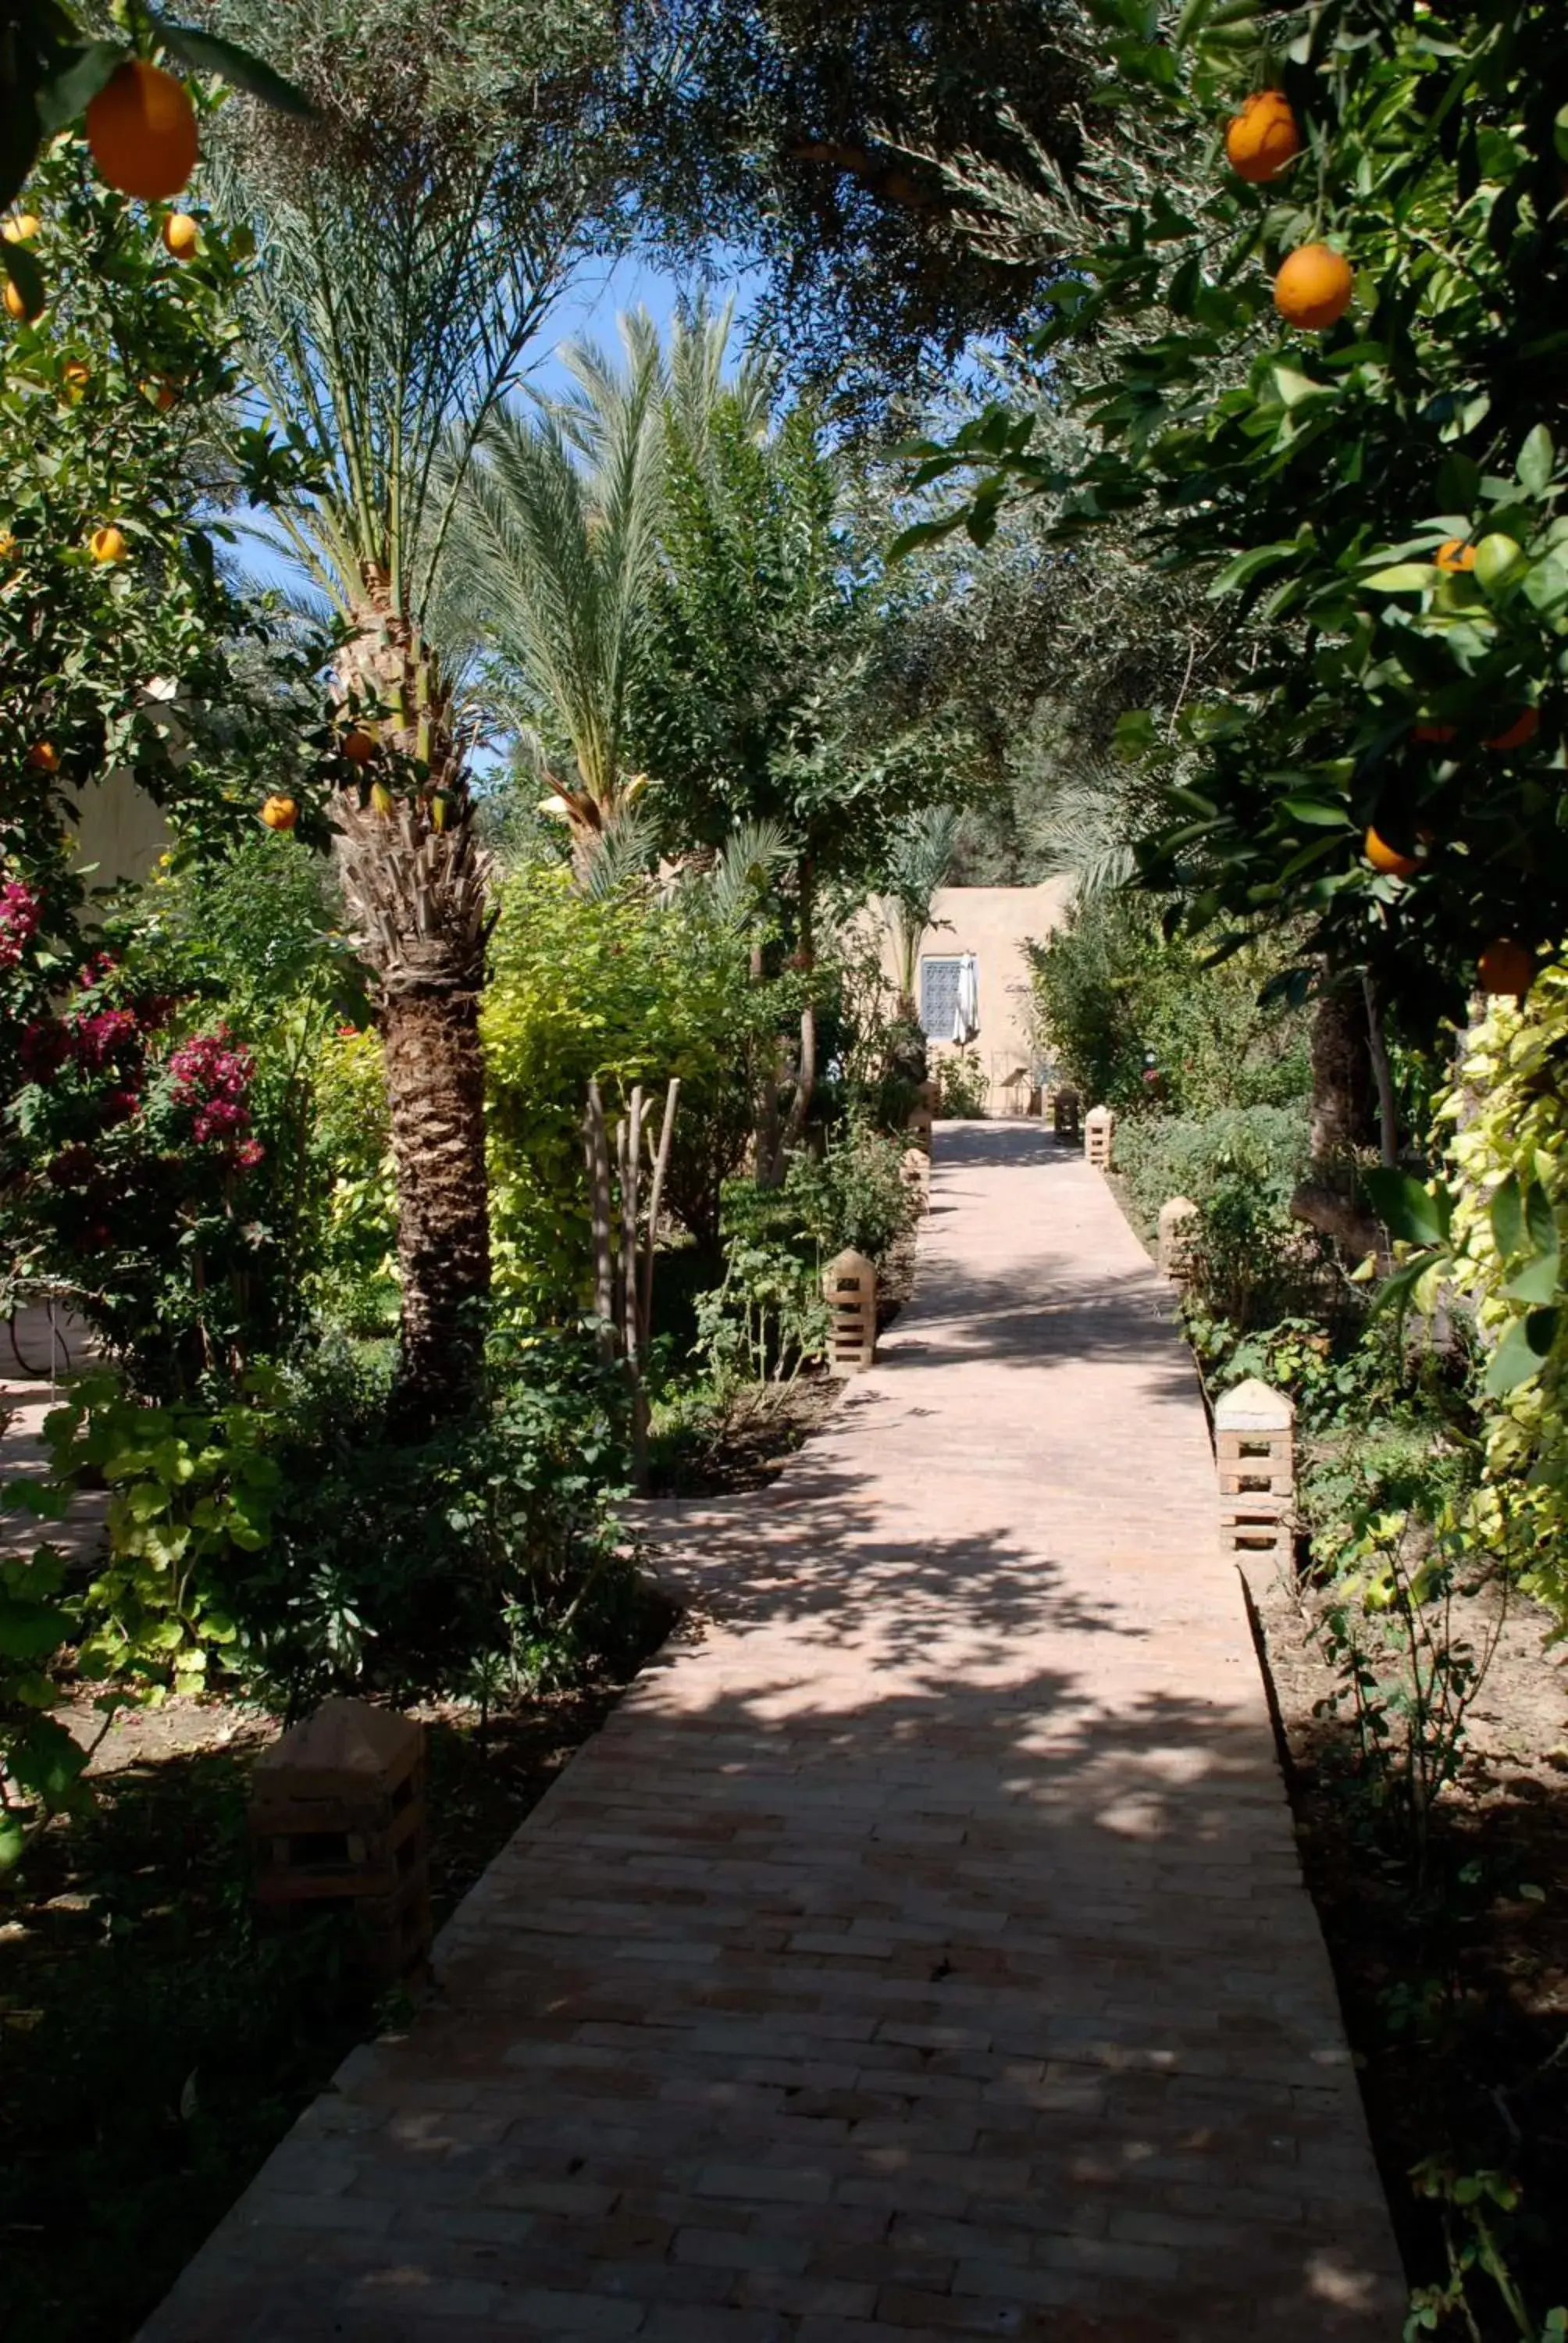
pixel 806 1076
pixel 415 884
pixel 1341 1119
pixel 436 1098
pixel 1341 1076
pixel 1382 1075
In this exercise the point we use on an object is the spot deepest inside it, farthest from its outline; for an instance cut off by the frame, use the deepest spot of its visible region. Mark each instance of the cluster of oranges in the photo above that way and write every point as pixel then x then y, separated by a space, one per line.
pixel 142 130
pixel 1312 290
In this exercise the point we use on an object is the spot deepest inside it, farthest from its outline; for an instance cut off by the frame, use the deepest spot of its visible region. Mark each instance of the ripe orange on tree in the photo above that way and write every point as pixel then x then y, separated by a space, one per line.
pixel 1263 138
pixel 280 813
pixel 1434 732
pixel 1519 732
pixel 181 235
pixel 1314 287
pixel 142 129
pixel 17 305
pixel 21 227
pixel 77 376
pixel 44 756
pixel 358 747
pixel 108 544
pixel 1387 858
pixel 1455 556
pixel 1506 967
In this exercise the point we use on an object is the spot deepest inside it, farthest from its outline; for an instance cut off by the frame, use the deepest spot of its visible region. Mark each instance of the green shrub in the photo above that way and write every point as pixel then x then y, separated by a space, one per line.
pixel 623 989
pixel 962 1091
pixel 1261 1149
pixel 1133 1015
pixel 489 1556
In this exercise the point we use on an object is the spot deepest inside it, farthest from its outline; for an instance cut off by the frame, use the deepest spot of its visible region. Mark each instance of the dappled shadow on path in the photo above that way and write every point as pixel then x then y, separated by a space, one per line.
pixel 921 1949
pixel 950 1976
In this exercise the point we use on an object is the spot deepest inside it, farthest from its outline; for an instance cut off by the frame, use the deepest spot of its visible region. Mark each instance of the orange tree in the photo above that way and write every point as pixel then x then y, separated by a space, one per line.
pixel 118 630
pixel 1365 460
pixel 121 645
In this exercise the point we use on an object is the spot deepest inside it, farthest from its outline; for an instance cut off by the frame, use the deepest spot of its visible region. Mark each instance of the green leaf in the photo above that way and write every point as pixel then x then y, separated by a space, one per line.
pixel 1408 1209
pixel 1537 461
pixel 1314 810
pixel 1247 566
pixel 46 1761
pixel 1535 1283
pixel 61 100
pixel 1541 1220
pixel 1508 1219
pixel 1521 1354
pixel 30 1630
pixel 1404 578
pixel 210 53
pixel 1295 388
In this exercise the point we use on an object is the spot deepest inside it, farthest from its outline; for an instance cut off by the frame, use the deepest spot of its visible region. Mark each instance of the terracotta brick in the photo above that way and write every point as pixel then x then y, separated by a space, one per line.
pixel 920 1950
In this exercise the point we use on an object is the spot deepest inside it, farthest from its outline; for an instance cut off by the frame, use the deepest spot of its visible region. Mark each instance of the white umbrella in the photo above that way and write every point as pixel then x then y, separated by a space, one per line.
pixel 966 1010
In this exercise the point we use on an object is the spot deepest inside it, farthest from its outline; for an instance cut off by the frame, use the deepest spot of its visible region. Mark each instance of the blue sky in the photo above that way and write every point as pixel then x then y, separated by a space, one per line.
pixel 586 311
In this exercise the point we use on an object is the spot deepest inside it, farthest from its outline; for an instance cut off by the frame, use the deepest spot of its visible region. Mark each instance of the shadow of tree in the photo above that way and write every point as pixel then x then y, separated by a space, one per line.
pixel 921 1949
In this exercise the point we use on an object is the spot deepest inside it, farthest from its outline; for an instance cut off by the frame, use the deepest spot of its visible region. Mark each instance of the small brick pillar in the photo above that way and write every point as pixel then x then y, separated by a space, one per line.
pixel 1099 1136
pixel 1255 1449
pixel 1064 1114
pixel 850 1283
pixel 338 1817
pixel 916 1173
pixel 1178 1227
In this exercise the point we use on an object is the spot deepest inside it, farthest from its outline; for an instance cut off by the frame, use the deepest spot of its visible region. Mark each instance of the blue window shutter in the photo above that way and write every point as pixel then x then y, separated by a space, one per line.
pixel 938 999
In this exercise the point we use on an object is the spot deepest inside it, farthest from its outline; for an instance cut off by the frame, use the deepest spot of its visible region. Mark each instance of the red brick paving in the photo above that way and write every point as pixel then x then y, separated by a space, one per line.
pixel 920 1950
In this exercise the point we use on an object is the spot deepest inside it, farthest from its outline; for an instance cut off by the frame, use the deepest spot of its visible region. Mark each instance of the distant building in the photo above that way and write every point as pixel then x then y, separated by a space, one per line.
pixel 993 924
pixel 121 831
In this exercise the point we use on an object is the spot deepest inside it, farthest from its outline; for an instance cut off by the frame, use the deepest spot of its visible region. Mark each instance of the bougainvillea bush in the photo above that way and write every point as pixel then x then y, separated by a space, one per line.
pixel 136 1155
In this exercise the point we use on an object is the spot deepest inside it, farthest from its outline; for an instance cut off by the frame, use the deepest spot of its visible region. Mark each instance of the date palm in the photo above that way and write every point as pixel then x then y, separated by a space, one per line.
pixel 557 534
pixel 391 309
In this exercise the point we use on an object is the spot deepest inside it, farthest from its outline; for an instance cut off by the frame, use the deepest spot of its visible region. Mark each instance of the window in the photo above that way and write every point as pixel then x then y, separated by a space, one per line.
pixel 939 997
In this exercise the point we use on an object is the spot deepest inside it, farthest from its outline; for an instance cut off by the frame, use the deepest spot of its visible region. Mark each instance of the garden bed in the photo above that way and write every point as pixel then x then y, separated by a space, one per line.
pixel 153 2047
pixel 1454 1989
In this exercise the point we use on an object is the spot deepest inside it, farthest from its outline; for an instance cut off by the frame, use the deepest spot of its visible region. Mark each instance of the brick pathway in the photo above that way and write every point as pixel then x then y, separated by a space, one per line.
pixel 921 1951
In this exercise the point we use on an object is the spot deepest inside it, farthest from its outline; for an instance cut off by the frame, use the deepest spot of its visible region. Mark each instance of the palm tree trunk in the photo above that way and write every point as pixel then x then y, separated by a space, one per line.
pixel 806 958
pixel 435 1099
pixel 415 883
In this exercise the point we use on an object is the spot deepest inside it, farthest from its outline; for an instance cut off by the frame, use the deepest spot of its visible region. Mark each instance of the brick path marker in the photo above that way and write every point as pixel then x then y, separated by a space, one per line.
pixel 920 1950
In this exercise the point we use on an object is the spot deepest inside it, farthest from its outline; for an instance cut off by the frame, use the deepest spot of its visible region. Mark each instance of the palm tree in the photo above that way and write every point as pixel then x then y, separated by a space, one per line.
pixel 557 544
pixel 391 307
pixel 917 865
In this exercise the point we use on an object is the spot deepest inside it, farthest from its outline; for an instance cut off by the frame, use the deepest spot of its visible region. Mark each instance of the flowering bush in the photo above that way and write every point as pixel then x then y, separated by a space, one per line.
pixel 128 1178
pixel 18 920
pixel 213 1081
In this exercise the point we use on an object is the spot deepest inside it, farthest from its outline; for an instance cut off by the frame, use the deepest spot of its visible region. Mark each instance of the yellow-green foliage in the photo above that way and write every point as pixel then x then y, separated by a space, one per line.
pixel 350 1140
pixel 622 990
pixel 1510 1101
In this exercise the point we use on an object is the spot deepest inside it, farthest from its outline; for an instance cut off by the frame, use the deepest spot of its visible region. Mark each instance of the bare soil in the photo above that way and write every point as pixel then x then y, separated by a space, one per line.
pixel 1454 1983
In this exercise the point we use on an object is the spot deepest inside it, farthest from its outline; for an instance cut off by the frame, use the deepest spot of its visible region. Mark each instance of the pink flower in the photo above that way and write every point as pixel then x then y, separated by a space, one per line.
pixel 18 920
pixel 46 1046
pixel 213 1078
pixel 101 1038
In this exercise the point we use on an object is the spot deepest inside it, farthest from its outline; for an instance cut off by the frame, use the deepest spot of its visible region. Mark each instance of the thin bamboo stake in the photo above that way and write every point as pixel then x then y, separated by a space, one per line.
pixel 629 1140
pixel 599 1196
pixel 655 1198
